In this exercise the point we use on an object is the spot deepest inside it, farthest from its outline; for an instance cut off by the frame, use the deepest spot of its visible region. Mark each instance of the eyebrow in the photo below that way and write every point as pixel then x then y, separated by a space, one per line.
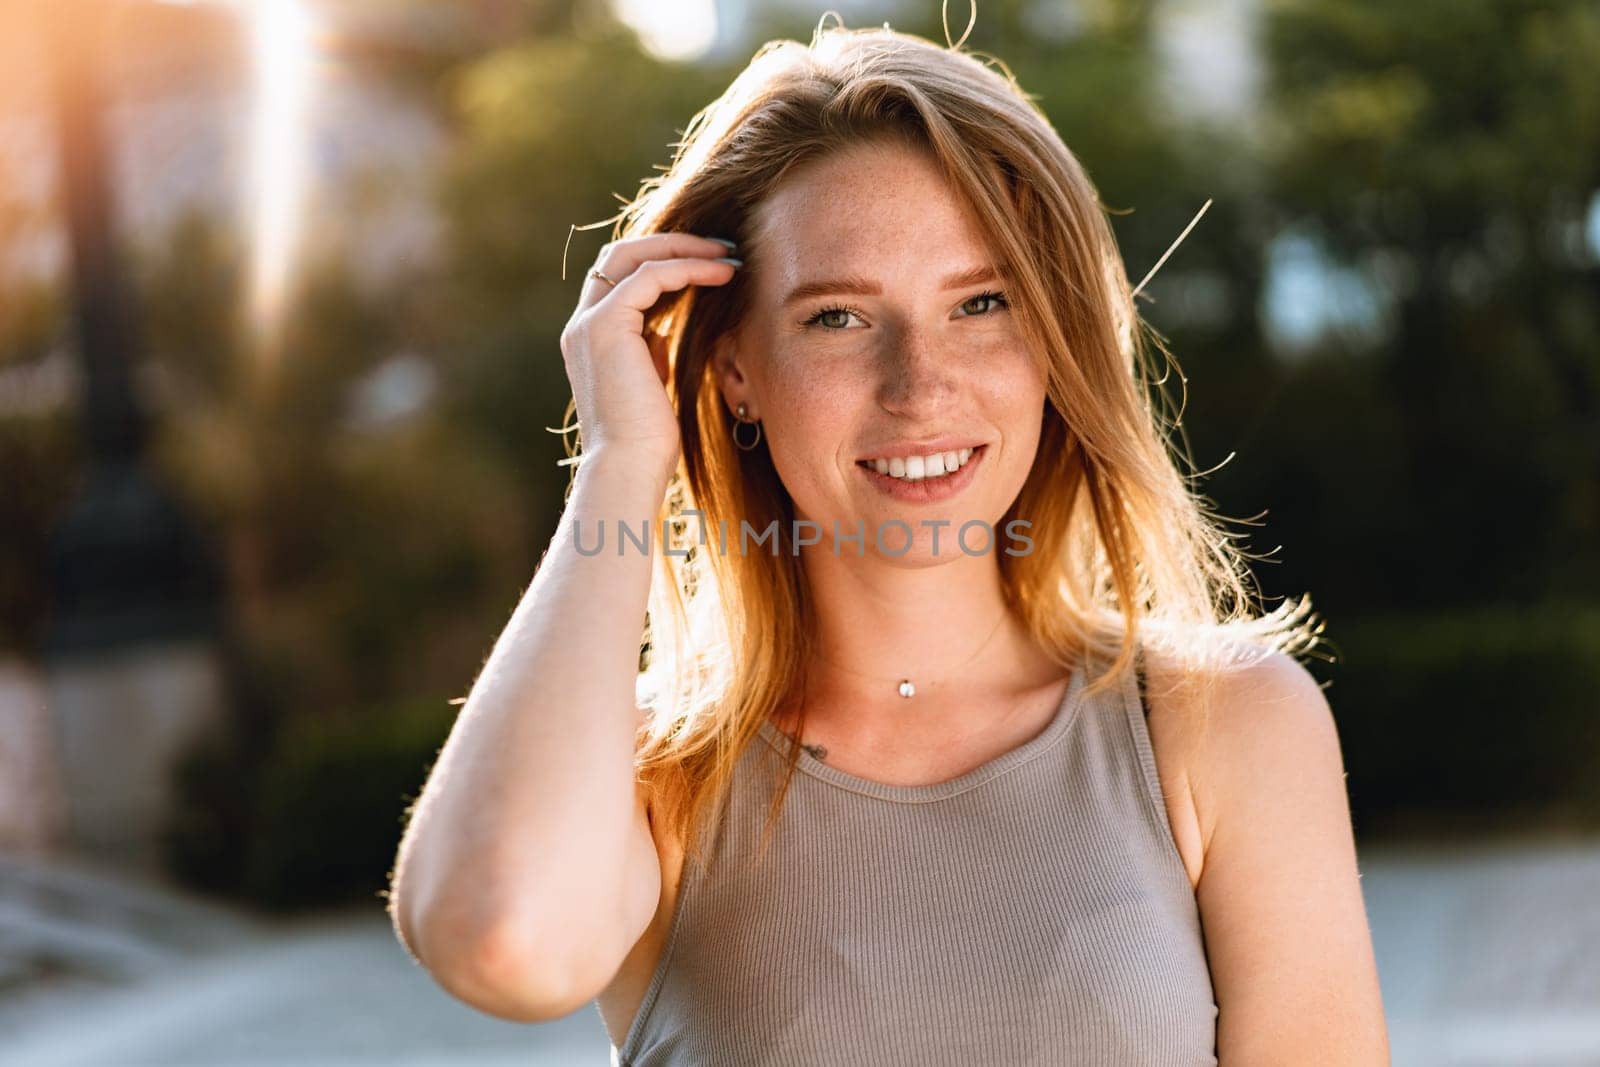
pixel 862 286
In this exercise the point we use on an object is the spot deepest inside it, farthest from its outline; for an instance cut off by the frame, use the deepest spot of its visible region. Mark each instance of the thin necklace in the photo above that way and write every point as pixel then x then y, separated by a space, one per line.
pixel 904 686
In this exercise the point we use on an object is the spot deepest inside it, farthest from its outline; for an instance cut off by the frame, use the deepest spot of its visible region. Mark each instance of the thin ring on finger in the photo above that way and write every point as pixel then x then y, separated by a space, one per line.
pixel 598 273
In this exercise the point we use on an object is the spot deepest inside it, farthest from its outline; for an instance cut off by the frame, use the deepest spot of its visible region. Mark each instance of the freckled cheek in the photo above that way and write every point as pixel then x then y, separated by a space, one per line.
pixel 809 409
pixel 1012 392
pixel 1021 391
pixel 996 356
pixel 1011 371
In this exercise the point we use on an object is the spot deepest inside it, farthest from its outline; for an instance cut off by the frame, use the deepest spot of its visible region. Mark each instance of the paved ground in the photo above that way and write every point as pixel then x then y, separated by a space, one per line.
pixel 1488 955
pixel 98 970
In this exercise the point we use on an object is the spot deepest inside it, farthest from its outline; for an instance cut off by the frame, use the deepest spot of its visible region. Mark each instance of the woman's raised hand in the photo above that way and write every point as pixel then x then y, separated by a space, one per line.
pixel 618 379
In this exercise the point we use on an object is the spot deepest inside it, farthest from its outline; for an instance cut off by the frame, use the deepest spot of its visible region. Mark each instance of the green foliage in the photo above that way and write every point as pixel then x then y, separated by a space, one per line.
pixel 332 801
pixel 368 563
pixel 555 133
pixel 39 456
pixel 1486 719
pixel 1458 107
pixel 1448 152
pixel 39 450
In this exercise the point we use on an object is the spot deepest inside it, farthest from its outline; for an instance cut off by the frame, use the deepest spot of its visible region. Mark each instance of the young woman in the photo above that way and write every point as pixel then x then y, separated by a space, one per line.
pixel 955 739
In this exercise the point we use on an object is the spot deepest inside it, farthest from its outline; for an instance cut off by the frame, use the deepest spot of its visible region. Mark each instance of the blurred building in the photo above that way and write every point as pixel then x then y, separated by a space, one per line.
pixel 180 94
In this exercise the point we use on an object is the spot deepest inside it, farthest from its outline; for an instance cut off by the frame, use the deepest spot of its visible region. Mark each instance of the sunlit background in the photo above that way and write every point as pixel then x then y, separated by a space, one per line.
pixel 281 284
pixel 284 51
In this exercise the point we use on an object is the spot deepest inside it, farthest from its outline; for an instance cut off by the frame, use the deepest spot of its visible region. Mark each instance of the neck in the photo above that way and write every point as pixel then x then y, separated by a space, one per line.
pixel 878 623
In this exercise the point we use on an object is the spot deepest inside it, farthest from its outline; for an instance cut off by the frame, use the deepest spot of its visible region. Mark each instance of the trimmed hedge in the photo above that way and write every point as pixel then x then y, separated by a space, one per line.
pixel 331 805
pixel 1482 720
pixel 325 804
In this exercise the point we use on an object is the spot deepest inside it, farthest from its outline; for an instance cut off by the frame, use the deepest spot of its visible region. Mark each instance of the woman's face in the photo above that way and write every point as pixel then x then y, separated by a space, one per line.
pixel 869 338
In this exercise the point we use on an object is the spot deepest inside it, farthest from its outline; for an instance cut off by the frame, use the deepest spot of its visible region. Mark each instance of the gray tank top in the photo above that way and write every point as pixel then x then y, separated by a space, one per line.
pixel 1034 910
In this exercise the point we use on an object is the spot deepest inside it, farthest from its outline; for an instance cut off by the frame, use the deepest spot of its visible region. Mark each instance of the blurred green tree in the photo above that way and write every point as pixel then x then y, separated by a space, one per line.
pixel 1449 154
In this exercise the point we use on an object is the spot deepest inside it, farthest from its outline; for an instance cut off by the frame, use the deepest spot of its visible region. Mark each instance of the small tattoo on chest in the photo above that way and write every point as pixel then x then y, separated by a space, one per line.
pixel 817 752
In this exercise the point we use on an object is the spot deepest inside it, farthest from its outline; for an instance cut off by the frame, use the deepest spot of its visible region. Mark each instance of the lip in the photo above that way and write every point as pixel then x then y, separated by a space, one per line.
pixel 926 490
pixel 904 449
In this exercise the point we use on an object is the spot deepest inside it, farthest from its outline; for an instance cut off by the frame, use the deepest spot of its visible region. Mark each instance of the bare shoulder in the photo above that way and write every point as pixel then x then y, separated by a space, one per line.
pixel 1279 895
pixel 1252 729
pixel 1209 728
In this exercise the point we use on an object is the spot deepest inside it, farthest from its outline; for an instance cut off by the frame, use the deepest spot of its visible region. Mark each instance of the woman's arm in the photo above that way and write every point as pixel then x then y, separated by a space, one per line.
pixel 1286 929
pixel 528 870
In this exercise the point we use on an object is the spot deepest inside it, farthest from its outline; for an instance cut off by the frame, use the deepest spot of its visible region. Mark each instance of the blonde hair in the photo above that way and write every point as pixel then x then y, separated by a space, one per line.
pixel 1125 555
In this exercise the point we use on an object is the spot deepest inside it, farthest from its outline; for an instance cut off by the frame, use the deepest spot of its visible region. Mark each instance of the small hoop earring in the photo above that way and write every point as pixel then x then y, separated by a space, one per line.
pixel 743 411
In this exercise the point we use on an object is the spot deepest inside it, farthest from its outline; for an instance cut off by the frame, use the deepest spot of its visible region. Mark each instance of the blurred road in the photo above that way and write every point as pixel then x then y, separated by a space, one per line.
pixel 97 970
pixel 1488 955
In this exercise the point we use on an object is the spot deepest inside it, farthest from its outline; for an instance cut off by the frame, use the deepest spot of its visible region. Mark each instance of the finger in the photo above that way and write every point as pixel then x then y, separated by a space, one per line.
pixel 644 286
pixel 622 258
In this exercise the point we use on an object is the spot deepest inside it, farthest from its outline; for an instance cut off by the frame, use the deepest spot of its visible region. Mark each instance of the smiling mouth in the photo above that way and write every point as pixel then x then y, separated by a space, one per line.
pixel 930 468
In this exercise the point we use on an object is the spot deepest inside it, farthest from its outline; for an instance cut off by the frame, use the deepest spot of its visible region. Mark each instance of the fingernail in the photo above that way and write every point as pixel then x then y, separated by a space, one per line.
pixel 724 241
pixel 730 259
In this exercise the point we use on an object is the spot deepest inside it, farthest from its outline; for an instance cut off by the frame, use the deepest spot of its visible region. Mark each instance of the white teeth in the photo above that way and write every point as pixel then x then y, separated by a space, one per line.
pixel 911 468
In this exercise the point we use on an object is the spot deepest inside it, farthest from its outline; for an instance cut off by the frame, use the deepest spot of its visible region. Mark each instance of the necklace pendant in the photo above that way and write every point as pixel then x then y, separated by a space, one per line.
pixel 907 689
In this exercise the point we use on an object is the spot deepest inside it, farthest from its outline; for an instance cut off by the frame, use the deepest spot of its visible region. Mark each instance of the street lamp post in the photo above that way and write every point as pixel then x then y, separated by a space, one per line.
pixel 131 673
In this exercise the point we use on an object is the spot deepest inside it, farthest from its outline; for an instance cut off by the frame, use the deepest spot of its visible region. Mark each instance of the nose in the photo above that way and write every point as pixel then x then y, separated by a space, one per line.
pixel 919 375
